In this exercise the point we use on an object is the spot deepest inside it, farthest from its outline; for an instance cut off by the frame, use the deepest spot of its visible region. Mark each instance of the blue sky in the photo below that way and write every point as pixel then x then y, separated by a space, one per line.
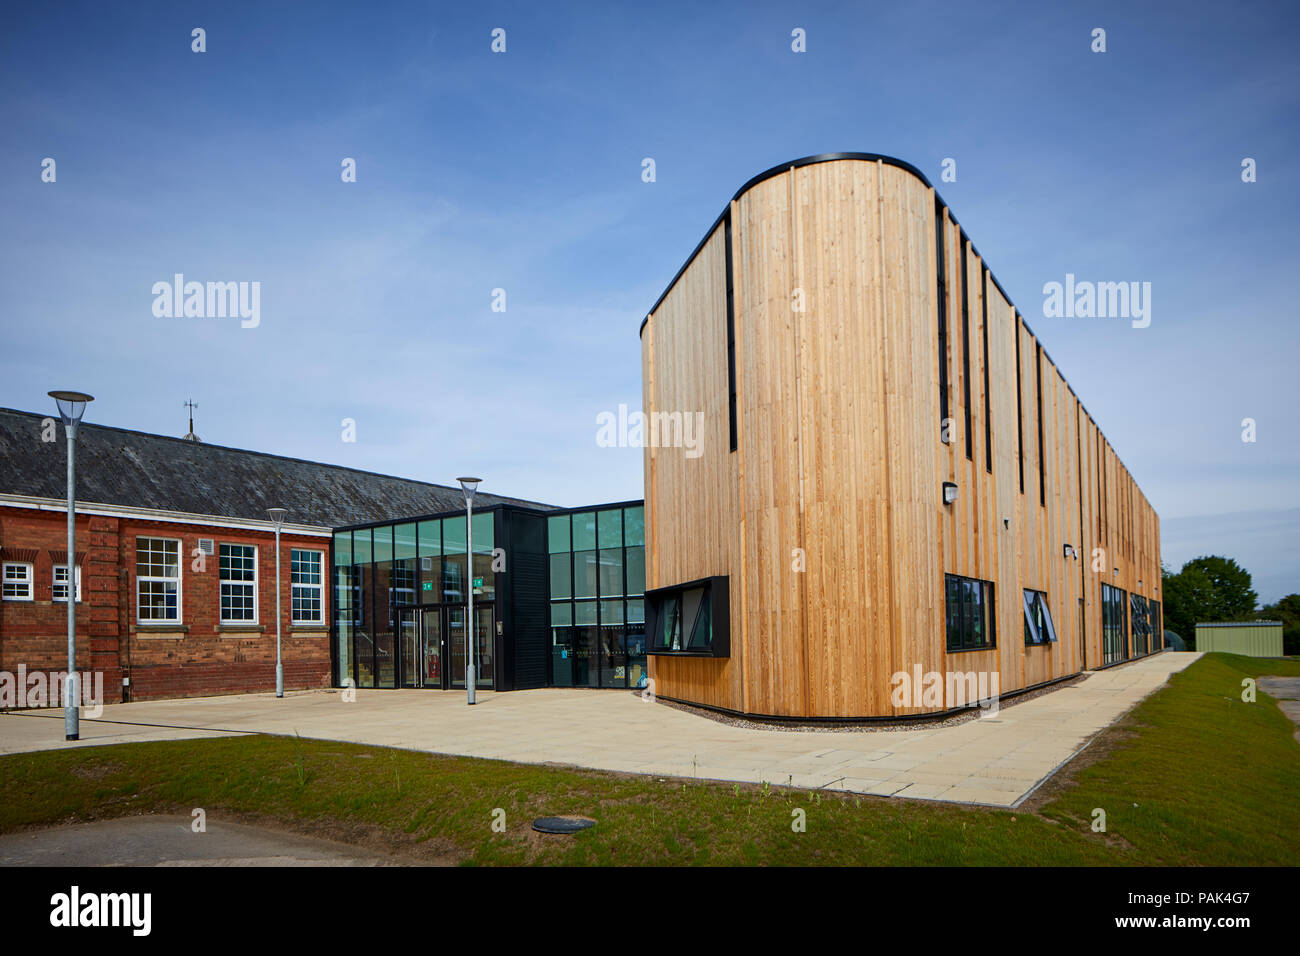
pixel 522 171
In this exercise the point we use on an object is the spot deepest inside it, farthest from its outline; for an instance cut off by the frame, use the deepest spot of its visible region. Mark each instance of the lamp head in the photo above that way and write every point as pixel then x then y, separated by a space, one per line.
pixel 469 486
pixel 277 516
pixel 72 405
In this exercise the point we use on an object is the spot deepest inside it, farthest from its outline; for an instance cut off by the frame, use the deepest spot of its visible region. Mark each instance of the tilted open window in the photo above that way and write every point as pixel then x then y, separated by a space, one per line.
pixel 1038 619
pixel 691 619
pixel 1141 625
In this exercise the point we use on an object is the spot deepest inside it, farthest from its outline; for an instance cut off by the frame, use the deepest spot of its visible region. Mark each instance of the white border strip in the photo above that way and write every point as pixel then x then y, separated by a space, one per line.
pixel 155 514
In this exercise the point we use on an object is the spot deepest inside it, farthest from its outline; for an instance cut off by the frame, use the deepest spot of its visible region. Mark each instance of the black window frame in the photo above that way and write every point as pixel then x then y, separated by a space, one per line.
pixel 965 340
pixel 732 421
pixel 1042 463
pixel 713 611
pixel 1020 407
pixel 941 277
pixel 1140 624
pixel 959 624
pixel 988 421
pixel 1114 624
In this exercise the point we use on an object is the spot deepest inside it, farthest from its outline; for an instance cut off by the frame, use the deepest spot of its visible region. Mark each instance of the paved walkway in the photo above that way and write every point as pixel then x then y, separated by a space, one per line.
pixel 997 761
pixel 21 735
pixel 1286 691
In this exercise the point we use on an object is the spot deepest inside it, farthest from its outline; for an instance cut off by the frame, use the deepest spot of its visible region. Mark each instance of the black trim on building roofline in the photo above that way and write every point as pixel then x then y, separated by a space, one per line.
pixel 453 513
pixel 496 506
pixel 630 503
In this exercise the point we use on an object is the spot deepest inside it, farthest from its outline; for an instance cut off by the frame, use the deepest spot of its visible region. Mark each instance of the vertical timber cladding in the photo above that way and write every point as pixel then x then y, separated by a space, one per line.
pixel 828 517
pixel 691 501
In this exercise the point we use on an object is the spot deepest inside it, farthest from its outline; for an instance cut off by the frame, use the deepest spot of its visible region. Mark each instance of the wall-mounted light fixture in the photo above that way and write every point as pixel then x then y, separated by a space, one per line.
pixel 949 492
pixel 1117 572
pixel 1070 552
pixel 1006 522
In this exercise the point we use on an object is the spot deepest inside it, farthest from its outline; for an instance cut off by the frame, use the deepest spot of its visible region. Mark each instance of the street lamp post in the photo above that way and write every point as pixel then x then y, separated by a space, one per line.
pixel 72 405
pixel 277 516
pixel 469 486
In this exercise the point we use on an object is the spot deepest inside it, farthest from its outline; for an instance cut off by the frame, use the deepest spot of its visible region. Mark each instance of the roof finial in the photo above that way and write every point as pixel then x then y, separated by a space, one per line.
pixel 191 436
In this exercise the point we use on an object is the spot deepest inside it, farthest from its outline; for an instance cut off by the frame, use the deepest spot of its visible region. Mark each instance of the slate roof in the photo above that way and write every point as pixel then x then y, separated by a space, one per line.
pixel 116 466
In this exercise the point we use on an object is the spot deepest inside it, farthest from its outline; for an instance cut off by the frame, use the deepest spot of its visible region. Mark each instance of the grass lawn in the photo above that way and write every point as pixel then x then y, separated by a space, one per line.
pixel 1192 776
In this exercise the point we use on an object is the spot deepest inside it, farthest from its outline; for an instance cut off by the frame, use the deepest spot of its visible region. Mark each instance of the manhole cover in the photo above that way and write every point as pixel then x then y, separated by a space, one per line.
pixel 562 824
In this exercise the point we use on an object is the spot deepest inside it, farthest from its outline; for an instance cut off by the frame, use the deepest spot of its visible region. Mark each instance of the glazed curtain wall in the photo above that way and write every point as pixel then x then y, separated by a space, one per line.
pixel 597 575
pixel 377 570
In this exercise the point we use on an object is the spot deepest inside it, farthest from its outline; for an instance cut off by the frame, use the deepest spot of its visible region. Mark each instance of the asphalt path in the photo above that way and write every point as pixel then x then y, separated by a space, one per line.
pixel 158 840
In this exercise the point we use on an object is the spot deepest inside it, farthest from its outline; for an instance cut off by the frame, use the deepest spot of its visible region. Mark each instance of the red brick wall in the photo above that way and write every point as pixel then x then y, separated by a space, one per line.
pixel 199 656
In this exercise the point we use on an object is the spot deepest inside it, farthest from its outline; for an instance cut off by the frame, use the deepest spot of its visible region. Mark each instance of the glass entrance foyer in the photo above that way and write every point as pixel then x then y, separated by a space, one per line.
pixel 597 588
pixel 558 599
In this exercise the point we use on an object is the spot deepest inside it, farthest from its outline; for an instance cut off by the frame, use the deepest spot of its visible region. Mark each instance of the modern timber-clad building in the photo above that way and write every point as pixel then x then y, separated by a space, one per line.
pixel 894 478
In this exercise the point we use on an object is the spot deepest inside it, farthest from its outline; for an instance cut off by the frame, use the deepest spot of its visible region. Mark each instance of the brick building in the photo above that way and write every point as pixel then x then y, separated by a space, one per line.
pixel 175 557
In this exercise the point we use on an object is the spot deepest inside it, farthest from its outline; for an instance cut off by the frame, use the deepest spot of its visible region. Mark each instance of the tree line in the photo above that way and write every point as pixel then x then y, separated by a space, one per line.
pixel 1214 588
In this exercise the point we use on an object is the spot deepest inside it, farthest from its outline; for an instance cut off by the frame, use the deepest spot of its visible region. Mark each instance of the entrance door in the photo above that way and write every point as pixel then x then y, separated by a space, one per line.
pixel 422 647
pixel 408 630
pixel 431 650
pixel 485 630
pixel 433 646
pixel 455 645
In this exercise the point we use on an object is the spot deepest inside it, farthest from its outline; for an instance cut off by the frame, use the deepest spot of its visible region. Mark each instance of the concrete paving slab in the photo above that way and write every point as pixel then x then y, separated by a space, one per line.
pixel 924 791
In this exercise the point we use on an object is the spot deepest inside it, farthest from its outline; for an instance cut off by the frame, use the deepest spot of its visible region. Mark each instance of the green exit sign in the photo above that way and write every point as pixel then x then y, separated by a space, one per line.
pixel 426 585
pixel 478 582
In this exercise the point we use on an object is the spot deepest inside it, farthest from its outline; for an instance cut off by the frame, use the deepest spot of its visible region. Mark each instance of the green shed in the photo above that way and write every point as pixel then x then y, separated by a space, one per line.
pixel 1251 638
